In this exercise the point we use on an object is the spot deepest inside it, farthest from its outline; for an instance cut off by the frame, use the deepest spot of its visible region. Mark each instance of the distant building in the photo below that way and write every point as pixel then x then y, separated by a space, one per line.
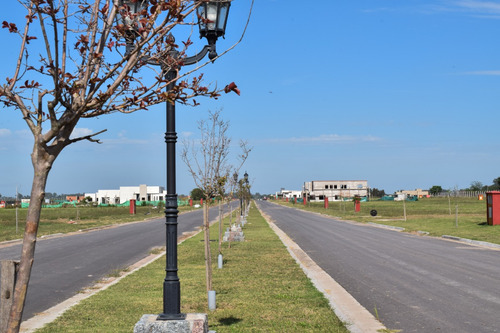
pixel 283 194
pixel 126 193
pixel 76 198
pixel 334 190
pixel 416 193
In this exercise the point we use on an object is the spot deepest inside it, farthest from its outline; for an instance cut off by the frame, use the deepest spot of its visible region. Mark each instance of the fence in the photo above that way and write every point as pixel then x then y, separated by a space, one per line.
pixel 125 204
pixel 461 194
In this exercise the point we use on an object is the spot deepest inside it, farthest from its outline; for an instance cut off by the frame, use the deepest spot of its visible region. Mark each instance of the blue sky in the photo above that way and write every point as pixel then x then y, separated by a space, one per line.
pixel 404 94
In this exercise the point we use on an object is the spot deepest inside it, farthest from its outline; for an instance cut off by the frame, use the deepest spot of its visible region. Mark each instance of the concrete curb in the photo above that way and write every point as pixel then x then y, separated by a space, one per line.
pixel 448 237
pixel 353 314
pixel 472 242
pixel 383 226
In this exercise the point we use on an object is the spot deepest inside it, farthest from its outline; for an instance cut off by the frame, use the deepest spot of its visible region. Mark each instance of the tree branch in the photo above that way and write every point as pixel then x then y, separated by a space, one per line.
pixel 14 79
pixel 88 138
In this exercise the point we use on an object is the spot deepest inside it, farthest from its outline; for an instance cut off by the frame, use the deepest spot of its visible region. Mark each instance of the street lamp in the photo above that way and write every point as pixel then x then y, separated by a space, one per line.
pixel 245 178
pixel 212 19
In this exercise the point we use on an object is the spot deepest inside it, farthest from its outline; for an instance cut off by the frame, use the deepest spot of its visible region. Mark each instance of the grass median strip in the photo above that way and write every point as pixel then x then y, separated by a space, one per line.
pixel 260 289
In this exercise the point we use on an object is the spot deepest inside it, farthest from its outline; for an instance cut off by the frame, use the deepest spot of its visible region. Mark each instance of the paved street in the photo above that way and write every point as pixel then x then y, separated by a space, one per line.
pixel 65 265
pixel 416 284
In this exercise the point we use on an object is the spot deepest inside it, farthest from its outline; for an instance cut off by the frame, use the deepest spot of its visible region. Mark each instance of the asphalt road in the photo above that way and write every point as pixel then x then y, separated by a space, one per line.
pixel 412 283
pixel 65 265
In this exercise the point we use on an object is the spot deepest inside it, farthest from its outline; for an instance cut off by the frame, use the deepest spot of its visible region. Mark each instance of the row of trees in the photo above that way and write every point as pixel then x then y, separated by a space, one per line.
pixel 436 189
pixel 48 195
pixel 238 190
pixel 374 193
pixel 474 186
pixel 478 186
pixel 208 162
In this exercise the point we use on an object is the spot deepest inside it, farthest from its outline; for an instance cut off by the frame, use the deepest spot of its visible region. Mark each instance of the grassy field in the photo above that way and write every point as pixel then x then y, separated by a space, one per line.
pixel 57 220
pixel 260 289
pixel 461 217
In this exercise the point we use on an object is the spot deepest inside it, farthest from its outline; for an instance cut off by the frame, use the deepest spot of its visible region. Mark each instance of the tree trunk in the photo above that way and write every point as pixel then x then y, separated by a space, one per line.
pixel 230 222
pixel 42 163
pixel 220 226
pixel 208 257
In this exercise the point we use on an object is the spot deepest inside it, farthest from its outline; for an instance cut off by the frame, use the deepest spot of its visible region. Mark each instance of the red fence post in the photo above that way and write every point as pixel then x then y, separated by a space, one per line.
pixel 132 206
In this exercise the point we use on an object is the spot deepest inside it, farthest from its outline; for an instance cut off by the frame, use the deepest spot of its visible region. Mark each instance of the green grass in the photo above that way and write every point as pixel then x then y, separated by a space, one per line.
pixel 260 289
pixel 428 214
pixel 55 220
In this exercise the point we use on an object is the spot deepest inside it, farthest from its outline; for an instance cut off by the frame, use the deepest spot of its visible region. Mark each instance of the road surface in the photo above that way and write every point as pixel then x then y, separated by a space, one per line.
pixel 411 283
pixel 65 265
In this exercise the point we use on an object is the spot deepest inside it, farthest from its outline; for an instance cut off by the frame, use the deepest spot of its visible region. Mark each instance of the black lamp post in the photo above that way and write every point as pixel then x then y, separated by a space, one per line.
pixel 245 179
pixel 212 17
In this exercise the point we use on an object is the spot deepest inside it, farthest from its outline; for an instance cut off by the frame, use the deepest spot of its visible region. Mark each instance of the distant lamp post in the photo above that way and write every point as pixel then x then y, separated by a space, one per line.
pixel 245 179
pixel 235 178
pixel 239 183
pixel 212 19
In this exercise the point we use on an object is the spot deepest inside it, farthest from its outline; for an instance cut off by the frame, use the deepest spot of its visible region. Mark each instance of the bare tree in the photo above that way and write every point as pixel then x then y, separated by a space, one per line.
pixel 72 64
pixel 232 183
pixel 220 197
pixel 228 185
pixel 207 163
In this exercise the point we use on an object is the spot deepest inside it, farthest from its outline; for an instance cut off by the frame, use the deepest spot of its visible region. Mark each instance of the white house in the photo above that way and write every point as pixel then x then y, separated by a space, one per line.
pixel 126 193
pixel 318 190
pixel 288 194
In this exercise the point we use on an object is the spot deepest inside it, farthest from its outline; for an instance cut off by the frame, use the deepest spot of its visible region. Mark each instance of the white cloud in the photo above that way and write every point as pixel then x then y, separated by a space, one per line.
pixel 122 139
pixel 79 132
pixel 489 73
pixel 327 138
pixel 186 134
pixel 484 7
pixel 24 133
pixel 4 132
pixel 479 9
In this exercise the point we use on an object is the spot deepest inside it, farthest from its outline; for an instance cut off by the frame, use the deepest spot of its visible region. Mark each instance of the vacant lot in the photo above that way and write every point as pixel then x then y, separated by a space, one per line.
pixel 63 220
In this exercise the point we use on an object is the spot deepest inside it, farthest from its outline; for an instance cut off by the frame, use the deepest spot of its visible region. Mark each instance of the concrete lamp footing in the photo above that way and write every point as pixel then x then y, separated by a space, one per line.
pixel 194 323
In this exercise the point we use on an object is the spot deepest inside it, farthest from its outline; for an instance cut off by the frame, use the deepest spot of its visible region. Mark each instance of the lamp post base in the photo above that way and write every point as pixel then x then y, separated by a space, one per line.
pixel 193 323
